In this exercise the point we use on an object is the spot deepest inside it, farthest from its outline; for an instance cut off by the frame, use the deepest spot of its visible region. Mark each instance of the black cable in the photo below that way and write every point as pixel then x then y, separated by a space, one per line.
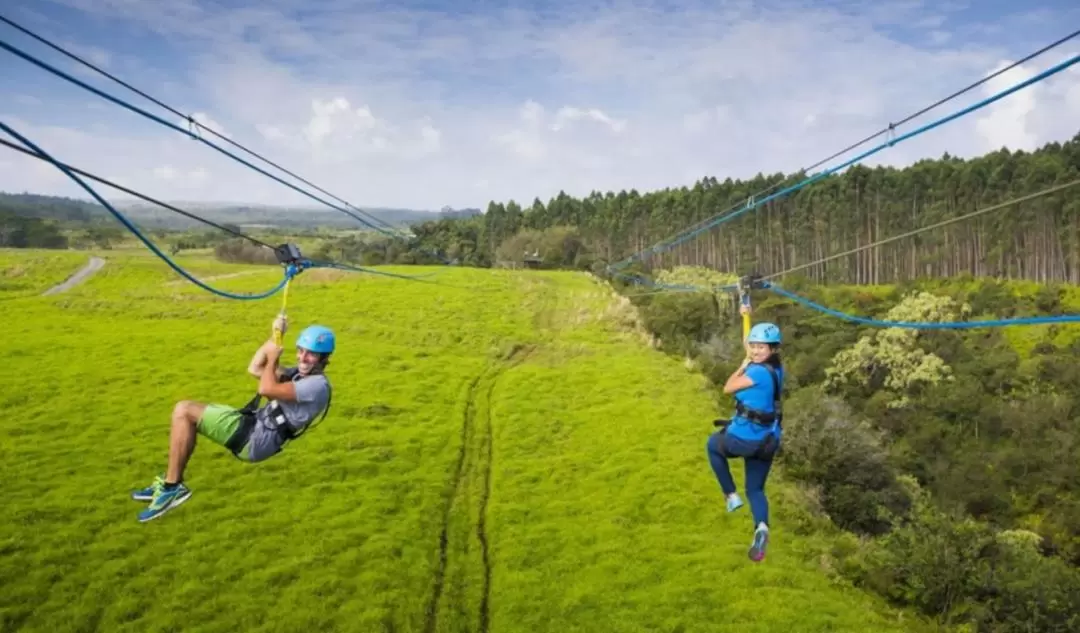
pixel 186 117
pixel 140 196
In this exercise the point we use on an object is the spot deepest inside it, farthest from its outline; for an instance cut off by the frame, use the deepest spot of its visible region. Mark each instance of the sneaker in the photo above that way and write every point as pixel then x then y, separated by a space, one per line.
pixel 147 493
pixel 734 502
pixel 761 539
pixel 164 500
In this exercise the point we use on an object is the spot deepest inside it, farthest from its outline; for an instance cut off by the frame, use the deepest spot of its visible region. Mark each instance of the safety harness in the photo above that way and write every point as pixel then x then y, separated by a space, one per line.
pixel 275 416
pixel 769 446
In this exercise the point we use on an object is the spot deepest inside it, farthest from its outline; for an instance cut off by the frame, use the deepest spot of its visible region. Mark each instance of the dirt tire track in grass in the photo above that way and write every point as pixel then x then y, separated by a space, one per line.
pixel 80 275
pixel 473 461
pixel 517 356
pixel 444 535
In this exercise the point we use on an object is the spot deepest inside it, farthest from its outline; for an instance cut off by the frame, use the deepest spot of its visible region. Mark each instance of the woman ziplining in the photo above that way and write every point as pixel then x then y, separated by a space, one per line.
pixel 754 433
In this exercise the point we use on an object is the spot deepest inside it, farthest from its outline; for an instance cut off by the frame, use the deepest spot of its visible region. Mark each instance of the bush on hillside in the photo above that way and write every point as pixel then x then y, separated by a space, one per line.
pixel 19 232
pixel 965 572
pixel 241 251
pixel 557 247
pixel 825 443
pixel 681 321
pixel 891 359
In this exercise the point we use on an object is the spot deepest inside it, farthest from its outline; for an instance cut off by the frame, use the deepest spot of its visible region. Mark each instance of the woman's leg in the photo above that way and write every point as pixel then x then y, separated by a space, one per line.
pixel 757 471
pixel 720 467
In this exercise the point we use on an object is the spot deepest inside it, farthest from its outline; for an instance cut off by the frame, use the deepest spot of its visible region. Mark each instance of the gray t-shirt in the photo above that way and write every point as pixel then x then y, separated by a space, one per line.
pixel 312 396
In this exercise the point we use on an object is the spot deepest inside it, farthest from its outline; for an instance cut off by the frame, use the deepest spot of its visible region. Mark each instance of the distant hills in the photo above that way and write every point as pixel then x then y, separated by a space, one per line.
pixel 151 216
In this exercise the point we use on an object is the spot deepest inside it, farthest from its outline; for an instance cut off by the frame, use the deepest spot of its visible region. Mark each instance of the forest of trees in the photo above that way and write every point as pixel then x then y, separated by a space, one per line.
pixel 1037 240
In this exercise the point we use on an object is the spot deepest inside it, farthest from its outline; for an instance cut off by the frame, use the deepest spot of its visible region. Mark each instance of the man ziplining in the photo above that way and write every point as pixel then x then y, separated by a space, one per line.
pixel 296 395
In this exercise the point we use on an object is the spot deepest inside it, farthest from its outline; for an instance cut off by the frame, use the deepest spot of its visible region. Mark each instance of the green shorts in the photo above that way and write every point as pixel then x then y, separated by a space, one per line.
pixel 218 423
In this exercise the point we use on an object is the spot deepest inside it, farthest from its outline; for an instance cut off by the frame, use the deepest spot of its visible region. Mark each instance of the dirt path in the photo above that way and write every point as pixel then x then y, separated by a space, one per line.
pixel 83 273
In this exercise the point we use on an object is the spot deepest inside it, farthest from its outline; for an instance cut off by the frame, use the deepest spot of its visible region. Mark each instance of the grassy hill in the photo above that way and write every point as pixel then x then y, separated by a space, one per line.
pixel 505 452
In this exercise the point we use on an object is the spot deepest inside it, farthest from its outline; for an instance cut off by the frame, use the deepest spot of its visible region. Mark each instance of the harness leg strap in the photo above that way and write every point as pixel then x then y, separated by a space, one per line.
pixel 240 436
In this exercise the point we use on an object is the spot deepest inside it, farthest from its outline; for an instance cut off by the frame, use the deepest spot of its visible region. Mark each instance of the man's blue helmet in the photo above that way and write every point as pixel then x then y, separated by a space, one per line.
pixel 764 333
pixel 316 338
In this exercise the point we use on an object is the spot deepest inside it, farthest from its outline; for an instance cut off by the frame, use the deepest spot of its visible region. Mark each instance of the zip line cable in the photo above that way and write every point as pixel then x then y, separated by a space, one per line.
pixel 920 130
pixel 889 128
pixel 290 271
pixel 131 227
pixel 920 325
pixel 139 195
pixel 191 120
pixel 947 325
pixel 154 117
pixel 936 225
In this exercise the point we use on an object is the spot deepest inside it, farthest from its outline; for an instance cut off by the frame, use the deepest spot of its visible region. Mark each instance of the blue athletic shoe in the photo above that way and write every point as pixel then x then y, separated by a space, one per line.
pixel 147 493
pixel 163 500
pixel 761 539
pixel 734 502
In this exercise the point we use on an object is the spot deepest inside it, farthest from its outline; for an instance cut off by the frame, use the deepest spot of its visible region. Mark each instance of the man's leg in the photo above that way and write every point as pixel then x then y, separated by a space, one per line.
pixel 182 430
pixel 189 419
pixel 185 421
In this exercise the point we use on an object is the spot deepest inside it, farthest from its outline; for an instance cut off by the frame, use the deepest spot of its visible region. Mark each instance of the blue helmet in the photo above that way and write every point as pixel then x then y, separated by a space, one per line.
pixel 764 333
pixel 316 338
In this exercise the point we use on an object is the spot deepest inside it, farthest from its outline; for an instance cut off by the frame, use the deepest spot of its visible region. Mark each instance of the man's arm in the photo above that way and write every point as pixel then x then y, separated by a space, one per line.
pixel 269 387
pixel 258 361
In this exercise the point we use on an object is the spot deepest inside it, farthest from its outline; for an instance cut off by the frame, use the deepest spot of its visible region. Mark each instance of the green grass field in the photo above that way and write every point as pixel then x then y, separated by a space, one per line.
pixel 502 454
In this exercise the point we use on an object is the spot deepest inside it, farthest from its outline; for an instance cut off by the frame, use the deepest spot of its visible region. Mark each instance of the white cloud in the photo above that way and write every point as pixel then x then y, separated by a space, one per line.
pixel 421 108
pixel 1022 120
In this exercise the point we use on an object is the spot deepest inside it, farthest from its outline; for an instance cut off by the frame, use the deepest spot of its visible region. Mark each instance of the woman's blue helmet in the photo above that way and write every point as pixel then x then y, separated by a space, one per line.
pixel 764 333
pixel 316 338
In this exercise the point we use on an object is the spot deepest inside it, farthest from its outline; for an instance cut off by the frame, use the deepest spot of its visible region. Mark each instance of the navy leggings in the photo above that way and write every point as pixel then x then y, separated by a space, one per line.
pixel 757 471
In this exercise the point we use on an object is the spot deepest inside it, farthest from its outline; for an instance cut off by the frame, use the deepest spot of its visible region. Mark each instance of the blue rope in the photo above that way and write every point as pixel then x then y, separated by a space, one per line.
pixel 981 104
pixel 154 117
pixel 131 227
pixel 946 325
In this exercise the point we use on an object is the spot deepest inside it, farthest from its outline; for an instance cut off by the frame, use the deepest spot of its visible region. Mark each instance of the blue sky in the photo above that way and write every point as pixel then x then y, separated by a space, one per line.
pixel 424 104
